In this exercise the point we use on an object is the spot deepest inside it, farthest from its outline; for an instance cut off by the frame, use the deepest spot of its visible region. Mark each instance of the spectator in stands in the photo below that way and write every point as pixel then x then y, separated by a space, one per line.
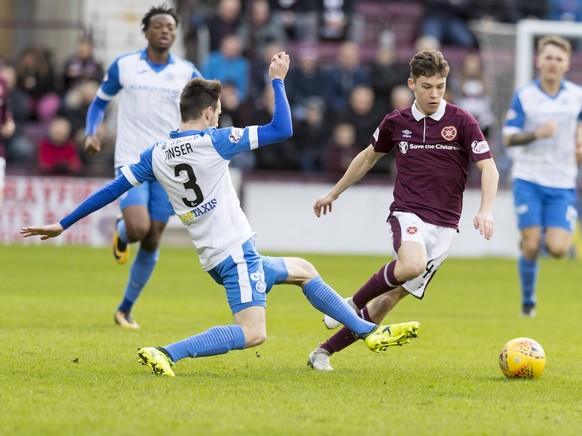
pixel 258 30
pixel 305 80
pixel 401 97
pixel 337 20
pixel 229 65
pixel 282 157
pixel 36 77
pixel 362 112
pixel 446 20
pixel 426 43
pixel 299 18
pixel 75 107
pixel 342 77
pixel 471 91
pixel 386 72
pixel 341 149
pixel 57 153
pixel 509 11
pixel 310 135
pixel 259 70
pixel 565 10
pixel 7 126
pixel 82 66
pixel 234 114
pixel 225 22
pixel 18 147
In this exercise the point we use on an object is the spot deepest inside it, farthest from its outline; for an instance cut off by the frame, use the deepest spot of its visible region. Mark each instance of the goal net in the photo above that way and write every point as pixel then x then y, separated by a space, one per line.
pixel 508 53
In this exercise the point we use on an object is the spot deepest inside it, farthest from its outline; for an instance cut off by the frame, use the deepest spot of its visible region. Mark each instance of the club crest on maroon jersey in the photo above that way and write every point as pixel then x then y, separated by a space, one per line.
pixel 449 133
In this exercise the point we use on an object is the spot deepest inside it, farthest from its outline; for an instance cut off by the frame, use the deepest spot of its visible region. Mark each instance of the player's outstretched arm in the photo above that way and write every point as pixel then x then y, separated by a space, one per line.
pixel 95 201
pixel 45 232
pixel 483 221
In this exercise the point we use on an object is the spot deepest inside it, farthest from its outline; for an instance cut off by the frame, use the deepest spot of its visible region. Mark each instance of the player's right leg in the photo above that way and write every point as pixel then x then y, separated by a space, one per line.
pixel 375 312
pixel 146 209
pixel 324 298
pixel 243 277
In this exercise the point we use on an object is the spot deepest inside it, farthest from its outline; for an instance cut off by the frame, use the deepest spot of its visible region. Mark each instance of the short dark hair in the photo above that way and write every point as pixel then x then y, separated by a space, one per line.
pixel 155 10
pixel 198 94
pixel 429 63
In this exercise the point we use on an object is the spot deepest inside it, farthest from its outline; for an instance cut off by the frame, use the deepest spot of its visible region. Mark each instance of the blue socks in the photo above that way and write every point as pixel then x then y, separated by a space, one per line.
pixel 121 231
pixel 214 341
pixel 141 271
pixel 324 298
pixel 528 276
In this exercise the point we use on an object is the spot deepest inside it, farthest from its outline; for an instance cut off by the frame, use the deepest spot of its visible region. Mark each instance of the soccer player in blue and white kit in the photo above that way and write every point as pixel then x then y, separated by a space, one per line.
pixel 149 83
pixel 542 131
pixel 192 166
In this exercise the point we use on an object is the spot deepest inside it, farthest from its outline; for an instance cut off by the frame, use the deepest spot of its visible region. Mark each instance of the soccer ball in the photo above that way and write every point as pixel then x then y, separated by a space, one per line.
pixel 522 358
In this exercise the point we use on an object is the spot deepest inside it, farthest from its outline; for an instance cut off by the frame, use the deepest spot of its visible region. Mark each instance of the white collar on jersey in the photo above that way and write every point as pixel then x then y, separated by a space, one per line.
pixel 418 115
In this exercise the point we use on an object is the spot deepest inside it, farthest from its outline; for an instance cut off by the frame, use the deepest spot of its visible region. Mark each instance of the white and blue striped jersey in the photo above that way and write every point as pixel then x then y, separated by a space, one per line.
pixel 149 97
pixel 192 167
pixel 549 162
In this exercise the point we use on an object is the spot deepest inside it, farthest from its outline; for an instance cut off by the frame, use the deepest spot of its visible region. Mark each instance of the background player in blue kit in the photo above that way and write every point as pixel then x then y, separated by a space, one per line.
pixel 192 166
pixel 542 131
pixel 149 83
pixel 434 143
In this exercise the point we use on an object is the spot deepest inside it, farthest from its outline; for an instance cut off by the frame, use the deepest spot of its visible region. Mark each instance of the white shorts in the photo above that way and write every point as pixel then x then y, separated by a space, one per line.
pixel 437 241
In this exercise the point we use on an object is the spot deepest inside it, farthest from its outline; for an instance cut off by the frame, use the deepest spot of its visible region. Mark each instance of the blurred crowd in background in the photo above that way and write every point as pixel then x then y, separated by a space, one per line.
pixel 349 69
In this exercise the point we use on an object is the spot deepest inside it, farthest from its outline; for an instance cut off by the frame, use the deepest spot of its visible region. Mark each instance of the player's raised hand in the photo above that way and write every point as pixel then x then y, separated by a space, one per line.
pixel 45 232
pixel 323 204
pixel 484 222
pixel 92 144
pixel 279 66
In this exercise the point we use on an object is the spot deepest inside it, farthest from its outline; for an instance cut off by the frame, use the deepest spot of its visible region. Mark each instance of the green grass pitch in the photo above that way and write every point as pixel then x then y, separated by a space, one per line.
pixel 68 370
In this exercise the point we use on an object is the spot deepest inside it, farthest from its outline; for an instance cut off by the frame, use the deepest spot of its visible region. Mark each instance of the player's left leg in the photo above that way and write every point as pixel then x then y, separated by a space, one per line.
pixel 409 234
pixel 438 242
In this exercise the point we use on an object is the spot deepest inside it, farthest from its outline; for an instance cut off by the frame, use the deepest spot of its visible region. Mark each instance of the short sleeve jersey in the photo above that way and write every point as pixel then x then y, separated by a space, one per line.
pixel 549 162
pixel 149 97
pixel 192 167
pixel 433 154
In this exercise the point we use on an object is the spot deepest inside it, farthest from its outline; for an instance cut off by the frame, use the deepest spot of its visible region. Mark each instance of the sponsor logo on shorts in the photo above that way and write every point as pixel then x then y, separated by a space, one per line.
pixel 411 230
pixel 259 280
pixel 449 133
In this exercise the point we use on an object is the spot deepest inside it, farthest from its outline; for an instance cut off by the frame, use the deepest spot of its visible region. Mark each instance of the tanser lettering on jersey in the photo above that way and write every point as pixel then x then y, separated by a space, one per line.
pixel 198 211
pixel 178 150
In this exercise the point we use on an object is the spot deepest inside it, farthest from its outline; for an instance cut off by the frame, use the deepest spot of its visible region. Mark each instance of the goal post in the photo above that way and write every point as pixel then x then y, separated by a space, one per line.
pixel 527 32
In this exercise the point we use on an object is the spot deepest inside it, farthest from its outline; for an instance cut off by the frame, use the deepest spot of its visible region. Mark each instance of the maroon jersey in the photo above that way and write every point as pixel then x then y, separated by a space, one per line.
pixel 432 160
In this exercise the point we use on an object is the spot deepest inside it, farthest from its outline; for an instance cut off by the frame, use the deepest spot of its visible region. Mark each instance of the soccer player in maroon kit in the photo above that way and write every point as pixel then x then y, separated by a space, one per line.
pixel 434 142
